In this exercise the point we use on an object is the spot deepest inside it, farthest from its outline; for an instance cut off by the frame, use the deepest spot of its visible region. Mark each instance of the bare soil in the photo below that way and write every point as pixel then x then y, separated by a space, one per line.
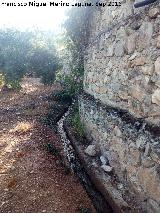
pixel 32 180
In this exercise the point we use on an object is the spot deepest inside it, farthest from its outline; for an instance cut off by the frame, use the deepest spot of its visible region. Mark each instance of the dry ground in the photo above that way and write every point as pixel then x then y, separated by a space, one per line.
pixel 31 179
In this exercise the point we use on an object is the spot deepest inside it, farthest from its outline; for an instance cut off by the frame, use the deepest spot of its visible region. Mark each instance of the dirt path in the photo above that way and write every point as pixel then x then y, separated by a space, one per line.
pixel 31 179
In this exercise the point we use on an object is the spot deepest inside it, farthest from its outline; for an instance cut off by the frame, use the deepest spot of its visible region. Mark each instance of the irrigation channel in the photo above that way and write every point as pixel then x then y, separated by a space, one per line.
pixel 97 198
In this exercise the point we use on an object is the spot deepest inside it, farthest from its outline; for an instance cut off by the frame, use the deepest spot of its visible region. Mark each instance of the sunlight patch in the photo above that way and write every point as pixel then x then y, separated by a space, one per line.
pixel 21 127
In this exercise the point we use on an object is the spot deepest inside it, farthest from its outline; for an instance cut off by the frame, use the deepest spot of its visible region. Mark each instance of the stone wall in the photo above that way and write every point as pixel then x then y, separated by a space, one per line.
pixel 130 146
pixel 122 75
pixel 122 61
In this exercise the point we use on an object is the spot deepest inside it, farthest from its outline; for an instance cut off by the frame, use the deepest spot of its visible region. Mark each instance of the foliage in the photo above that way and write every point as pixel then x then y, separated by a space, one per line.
pixel 44 62
pixel 74 82
pixel 1 80
pixel 14 84
pixel 23 52
pixel 77 33
pixel 74 39
pixel 77 124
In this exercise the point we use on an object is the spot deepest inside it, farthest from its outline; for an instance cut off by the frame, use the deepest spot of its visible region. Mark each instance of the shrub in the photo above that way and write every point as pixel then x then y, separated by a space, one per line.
pixel 1 80
pixel 15 85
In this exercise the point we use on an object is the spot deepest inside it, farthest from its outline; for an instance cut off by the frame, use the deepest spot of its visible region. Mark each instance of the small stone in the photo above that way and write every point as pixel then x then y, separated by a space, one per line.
pixel 156 97
pixel 153 12
pixel 130 44
pixel 110 51
pixel 135 156
pixel 141 142
pixel 137 93
pixel 120 186
pixel 147 149
pixel 158 42
pixel 153 206
pixel 157 66
pixel 148 162
pixel 107 169
pixel 154 157
pixel 149 181
pixel 119 49
pixel 117 131
pixel 102 90
pixel 148 70
pixel 103 160
pixel 91 150
pixel 133 56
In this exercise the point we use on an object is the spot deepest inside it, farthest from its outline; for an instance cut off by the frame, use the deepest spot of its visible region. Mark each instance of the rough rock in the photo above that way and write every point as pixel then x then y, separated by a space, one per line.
pixel 147 149
pixel 148 70
pixel 141 142
pixel 110 51
pixel 91 150
pixel 148 162
pixel 149 182
pixel 145 35
pixel 153 12
pixel 103 160
pixel 117 131
pixel 158 41
pixel 154 157
pixel 137 93
pixel 130 44
pixel 135 156
pixel 153 206
pixel 131 75
pixel 133 56
pixel 157 66
pixel 107 169
pixel 140 61
pixel 156 97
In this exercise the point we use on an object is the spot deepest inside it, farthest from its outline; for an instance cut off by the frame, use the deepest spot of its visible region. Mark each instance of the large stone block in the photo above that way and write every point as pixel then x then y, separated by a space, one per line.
pixel 150 182
pixel 148 70
pixel 135 156
pixel 130 43
pixel 157 66
pixel 145 35
pixel 156 97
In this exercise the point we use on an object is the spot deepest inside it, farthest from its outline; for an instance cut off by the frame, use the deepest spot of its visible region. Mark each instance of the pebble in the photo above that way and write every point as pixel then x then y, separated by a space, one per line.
pixel 91 150
pixel 103 160
pixel 107 169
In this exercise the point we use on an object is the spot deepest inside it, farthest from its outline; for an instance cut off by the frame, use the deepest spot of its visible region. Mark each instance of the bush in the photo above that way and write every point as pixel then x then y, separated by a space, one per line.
pixel 23 51
pixel 15 85
pixel 1 80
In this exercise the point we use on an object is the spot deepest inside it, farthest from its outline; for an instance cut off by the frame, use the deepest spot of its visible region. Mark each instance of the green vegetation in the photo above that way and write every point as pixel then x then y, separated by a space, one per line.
pixel 77 124
pixel 27 52
pixel 14 84
pixel 73 83
pixel 1 80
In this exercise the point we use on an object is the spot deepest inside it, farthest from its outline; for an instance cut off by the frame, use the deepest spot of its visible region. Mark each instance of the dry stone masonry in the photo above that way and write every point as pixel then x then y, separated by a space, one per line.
pixel 120 107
